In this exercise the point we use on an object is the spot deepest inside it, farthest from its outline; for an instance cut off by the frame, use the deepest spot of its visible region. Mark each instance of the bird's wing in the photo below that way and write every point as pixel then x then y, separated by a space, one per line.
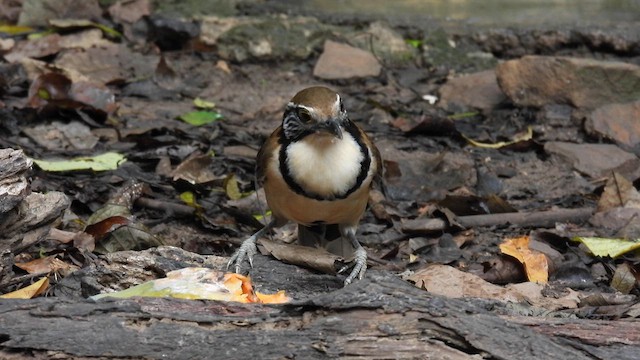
pixel 265 155
pixel 378 178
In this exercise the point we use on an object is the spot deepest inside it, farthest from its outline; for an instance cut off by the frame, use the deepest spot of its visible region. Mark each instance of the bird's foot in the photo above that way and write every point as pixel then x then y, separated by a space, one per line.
pixel 359 265
pixel 246 250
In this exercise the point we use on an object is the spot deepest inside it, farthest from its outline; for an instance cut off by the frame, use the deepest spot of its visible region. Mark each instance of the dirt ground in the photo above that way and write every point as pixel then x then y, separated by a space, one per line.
pixel 506 152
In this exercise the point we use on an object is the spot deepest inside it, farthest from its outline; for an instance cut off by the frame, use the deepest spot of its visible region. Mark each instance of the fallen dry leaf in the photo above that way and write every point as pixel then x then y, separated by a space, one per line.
pixel 44 265
pixel 618 192
pixel 623 279
pixel 535 263
pixel 201 283
pixel 450 282
pixel 447 281
pixel 311 258
pixel 30 291
pixel 196 169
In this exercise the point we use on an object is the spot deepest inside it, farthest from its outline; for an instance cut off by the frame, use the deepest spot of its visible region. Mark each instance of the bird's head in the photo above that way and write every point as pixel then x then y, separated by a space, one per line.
pixel 315 110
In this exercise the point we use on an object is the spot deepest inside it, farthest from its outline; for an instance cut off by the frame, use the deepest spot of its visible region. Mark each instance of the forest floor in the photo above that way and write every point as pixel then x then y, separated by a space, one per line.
pixel 511 208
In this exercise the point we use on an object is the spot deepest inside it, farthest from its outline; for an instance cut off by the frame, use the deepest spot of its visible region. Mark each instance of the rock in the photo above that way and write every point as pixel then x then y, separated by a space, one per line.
pixel 618 122
pixel 212 27
pixel 596 160
pixel 39 12
pixel 341 61
pixel 479 90
pixel 103 63
pixel 274 38
pixel 582 83
pixel 386 43
pixel 440 50
pixel 515 42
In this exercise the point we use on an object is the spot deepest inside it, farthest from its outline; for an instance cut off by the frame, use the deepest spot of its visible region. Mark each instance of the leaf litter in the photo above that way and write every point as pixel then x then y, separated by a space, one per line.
pixel 127 96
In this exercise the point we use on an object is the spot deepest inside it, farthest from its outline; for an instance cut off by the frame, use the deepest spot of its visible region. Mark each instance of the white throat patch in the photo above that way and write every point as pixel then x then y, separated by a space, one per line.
pixel 324 165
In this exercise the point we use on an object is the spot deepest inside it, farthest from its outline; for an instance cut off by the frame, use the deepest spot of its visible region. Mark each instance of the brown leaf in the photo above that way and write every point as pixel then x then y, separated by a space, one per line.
pixel 447 281
pixel 535 263
pixel 85 241
pixel 94 95
pixel 503 270
pixel 36 48
pixel 623 279
pixel 195 169
pixel 48 87
pixel 60 235
pixel 43 265
pixel 618 192
pixel 313 258
pixel 103 228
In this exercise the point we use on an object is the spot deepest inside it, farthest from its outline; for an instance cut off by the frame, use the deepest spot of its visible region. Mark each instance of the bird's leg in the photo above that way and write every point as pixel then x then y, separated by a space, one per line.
pixel 360 256
pixel 248 247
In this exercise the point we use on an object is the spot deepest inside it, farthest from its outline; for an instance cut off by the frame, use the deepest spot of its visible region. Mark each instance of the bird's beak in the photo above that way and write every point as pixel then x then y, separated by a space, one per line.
pixel 332 127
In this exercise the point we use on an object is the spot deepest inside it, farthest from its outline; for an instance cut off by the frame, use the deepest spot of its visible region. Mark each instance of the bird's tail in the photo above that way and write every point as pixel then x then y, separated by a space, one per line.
pixel 323 235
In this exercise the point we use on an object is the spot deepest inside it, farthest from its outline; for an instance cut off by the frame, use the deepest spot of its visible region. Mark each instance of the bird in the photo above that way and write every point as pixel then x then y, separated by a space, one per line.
pixel 317 169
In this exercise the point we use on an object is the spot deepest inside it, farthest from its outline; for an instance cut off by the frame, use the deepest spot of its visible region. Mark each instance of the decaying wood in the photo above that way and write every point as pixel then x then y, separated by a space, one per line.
pixel 380 317
pixel 13 181
pixel 522 219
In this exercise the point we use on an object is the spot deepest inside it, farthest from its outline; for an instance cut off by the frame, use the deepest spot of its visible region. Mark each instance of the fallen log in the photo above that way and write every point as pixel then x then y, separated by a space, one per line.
pixel 380 317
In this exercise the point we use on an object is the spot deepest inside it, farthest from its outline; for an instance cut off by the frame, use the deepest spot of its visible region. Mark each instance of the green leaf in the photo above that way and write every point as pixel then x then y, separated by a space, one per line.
pixel 82 23
pixel 189 198
pixel 110 32
pixel 464 115
pixel 416 43
pixel 15 29
pixel 44 94
pixel 525 136
pixel 261 217
pixel 106 161
pixel 39 35
pixel 203 104
pixel 231 187
pixel 199 118
pixel 608 246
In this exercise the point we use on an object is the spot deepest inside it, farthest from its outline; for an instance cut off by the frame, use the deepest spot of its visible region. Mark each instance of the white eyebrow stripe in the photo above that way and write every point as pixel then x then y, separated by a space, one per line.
pixel 336 105
pixel 309 109
pixel 300 106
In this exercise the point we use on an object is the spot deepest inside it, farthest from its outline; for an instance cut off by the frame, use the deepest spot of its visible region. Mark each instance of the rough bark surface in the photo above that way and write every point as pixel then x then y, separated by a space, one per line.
pixel 380 317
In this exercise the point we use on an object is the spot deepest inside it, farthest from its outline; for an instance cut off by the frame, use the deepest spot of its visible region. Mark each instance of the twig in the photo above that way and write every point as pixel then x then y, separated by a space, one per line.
pixel 522 219
pixel 177 209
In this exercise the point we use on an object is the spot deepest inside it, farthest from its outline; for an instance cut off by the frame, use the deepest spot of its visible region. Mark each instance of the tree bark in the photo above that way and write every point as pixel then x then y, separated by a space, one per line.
pixel 380 317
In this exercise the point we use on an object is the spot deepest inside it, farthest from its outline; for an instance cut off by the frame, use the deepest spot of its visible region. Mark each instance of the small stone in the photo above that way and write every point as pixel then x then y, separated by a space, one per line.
pixel 388 45
pixel 582 83
pixel 595 160
pixel 341 61
pixel 618 122
pixel 479 90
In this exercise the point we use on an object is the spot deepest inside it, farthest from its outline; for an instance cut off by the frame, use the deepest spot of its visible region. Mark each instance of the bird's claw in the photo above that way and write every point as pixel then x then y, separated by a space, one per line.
pixel 246 250
pixel 359 266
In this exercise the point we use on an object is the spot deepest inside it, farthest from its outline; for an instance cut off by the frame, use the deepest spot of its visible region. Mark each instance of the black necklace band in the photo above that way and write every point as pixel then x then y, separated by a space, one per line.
pixel 365 164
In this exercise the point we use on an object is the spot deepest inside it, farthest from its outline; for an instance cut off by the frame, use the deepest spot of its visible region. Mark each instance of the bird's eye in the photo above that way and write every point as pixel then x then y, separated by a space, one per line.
pixel 304 116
